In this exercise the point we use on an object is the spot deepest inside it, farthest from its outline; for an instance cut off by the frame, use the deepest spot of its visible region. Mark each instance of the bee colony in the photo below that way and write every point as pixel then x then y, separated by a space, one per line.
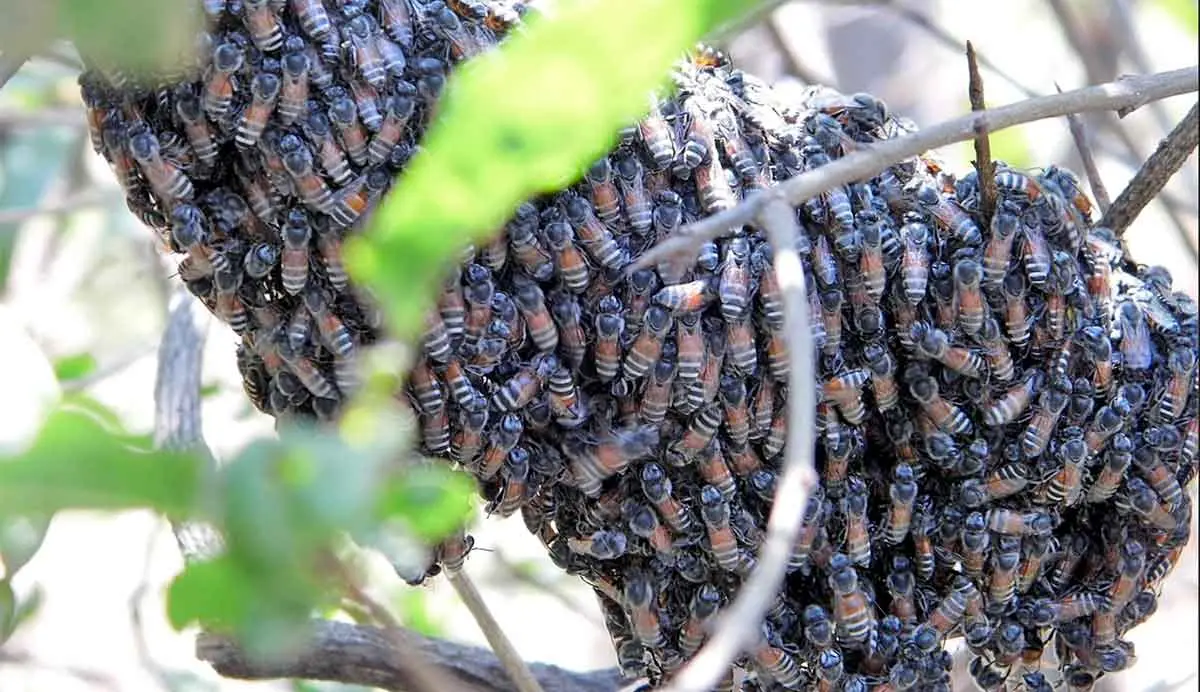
pixel 1007 415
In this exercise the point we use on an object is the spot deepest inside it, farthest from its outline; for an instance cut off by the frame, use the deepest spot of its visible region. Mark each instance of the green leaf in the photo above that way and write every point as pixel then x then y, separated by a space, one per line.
pixel 101 31
pixel 8 610
pixel 515 122
pixel 210 390
pixel 432 500
pixel 214 593
pixel 20 538
pixel 80 461
pixel 74 367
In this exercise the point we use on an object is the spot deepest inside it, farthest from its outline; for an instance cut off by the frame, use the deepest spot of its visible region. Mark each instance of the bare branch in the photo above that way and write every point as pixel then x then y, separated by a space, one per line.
pixel 1154 174
pixel 363 655
pixel 739 624
pixel 871 159
pixel 983 147
pixel 518 671
pixel 795 64
pixel 1079 134
pixel 177 420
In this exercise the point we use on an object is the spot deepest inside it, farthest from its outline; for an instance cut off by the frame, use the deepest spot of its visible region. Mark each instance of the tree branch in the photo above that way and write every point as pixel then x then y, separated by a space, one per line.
pixel 1154 174
pixel 1126 92
pixel 517 670
pixel 363 655
pixel 983 146
pixel 736 628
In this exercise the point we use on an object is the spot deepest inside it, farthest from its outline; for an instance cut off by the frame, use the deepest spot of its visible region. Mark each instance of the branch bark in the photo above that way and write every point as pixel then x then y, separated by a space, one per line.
pixel 363 655
pixel 1126 92
pixel 1170 155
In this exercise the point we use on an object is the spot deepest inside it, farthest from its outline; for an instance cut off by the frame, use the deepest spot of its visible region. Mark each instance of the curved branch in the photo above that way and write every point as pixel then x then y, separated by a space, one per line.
pixel 738 627
pixel 1125 93
pixel 363 655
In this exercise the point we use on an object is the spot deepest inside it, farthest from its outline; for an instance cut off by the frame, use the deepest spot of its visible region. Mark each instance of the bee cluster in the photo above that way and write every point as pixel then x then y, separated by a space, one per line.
pixel 1007 418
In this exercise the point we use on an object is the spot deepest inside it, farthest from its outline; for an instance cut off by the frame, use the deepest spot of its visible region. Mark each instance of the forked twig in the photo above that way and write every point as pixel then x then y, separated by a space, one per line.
pixel 514 665
pixel 1154 174
pixel 1079 134
pixel 873 158
pixel 737 627
pixel 983 147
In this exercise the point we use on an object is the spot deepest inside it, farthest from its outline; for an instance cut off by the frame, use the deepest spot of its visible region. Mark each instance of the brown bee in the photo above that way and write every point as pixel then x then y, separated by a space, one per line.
pixel 998 252
pixel 776 663
pixel 851 610
pixel 352 201
pixel 229 306
pixel 361 45
pixel 329 246
pixel 854 511
pixel 644 523
pixel 1006 557
pixel 195 126
pixel 264 91
pixel 846 392
pixel 168 181
pixel 516 478
pixel 603 191
pixel 1181 365
pixel 435 431
pixel 298 161
pixel 690 297
pixel 520 389
pixel 227 59
pixel 1049 408
pixel 723 544
pixel 394 16
pixel 967 277
pixel 703 606
pixel 308 373
pixel 647 348
pixel 936 344
pixel 1013 403
pixel 329 154
pixel 639 600
pixel 526 247
pixel 610 456
pixel 531 302
pixel 975 542
pixel 914 262
pixel 871 264
pixel 466 442
pixel 343 114
pixel 502 441
pixel 634 196
pixel 945 415
pixel 610 326
pixel 1014 523
pixel 1016 315
pixel 1106 423
pixel 656 485
pixel 903 495
pixel 995 351
pixel 398 109
pixel 831 319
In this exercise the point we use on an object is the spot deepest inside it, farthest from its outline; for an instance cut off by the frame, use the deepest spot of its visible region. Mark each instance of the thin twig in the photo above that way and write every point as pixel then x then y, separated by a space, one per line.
pixel 10 64
pixel 364 655
pixel 518 671
pixel 1079 134
pixel 736 628
pixel 983 147
pixel 795 65
pixel 871 159
pixel 1154 174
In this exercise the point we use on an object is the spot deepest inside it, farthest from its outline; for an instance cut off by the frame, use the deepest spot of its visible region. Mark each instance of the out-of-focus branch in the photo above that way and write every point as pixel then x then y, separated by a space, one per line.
pixel 10 64
pixel 80 200
pixel 1079 134
pixel 363 655
pixel 1129 91
pixel 65 116
pixel 737 627
pixel 1154 174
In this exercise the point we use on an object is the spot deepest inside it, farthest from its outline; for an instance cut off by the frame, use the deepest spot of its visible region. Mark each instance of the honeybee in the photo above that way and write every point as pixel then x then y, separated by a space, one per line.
pixel 647 348
pixel 852 610
pixel 945 415
pixel 298 161
pixel 227 59
pixel 168 181
pixel 715 512
pixel 634 196
pixel 704 604
pixel 903 495
pixel 1013 523
pixel 344 116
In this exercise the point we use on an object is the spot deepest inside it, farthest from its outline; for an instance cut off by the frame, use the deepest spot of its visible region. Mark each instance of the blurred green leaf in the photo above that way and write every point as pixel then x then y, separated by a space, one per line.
pixel 1012 147
pixel 27 607
pixel 20 538
pixel 79 461
pixel 1185 13
pixel 210 390
pixel 8 610
pixel 101 31
pixel 74 367
pixel 413 605
pixel 431 500
pixel 519 121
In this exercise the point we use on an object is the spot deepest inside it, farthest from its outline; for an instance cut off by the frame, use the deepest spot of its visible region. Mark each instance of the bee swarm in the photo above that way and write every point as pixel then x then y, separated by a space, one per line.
pixel 1007 419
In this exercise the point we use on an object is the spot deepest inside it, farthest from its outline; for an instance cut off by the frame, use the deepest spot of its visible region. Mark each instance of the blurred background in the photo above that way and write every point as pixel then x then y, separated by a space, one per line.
pixel 83 294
